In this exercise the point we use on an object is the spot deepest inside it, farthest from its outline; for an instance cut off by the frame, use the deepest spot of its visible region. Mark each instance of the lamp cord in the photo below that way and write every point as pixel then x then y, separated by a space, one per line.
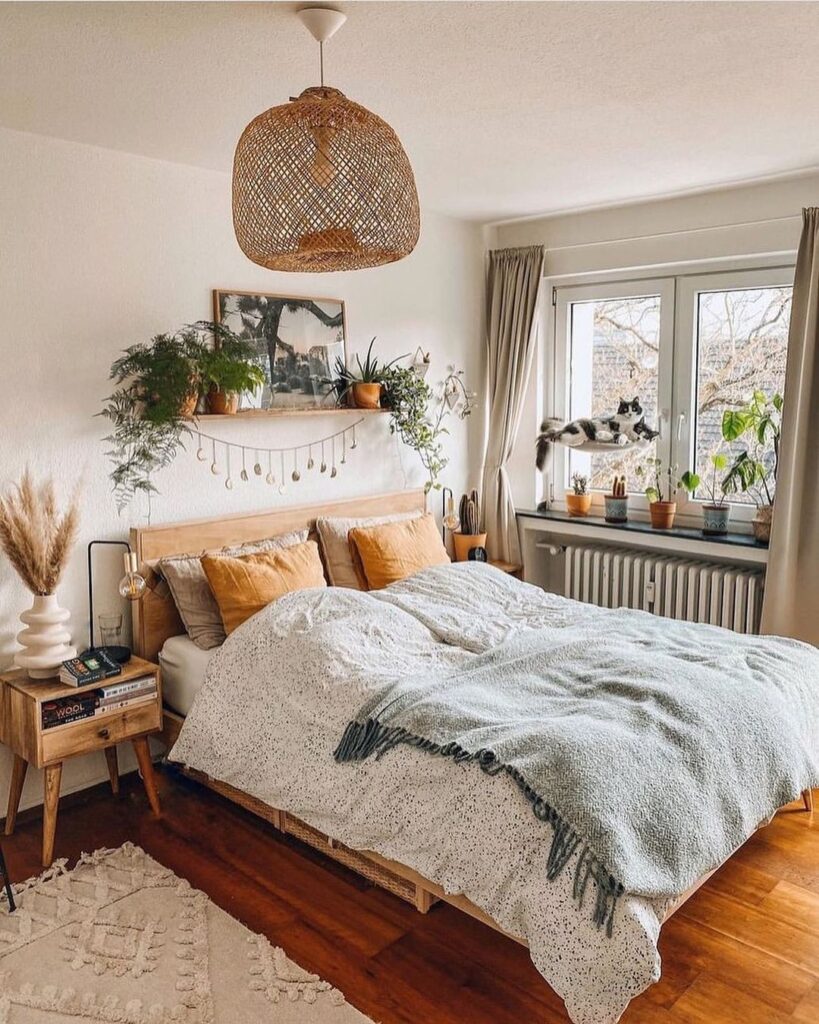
pixel 321 62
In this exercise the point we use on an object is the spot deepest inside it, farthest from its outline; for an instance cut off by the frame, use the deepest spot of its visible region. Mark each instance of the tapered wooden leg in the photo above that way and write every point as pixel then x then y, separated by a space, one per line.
pixel 146 768
pixel 18 777
pixel 53 775
pixel 807 796
pixel 113 768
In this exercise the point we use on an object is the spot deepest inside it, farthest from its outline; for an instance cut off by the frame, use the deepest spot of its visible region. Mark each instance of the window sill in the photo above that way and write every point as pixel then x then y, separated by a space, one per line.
pixel 733 546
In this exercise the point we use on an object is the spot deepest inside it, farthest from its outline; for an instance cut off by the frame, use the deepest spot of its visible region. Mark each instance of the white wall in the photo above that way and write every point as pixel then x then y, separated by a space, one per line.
pixel 687 229
pixel 100 249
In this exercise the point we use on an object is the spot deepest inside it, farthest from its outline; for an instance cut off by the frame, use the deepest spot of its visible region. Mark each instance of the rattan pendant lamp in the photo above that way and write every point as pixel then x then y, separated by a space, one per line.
pixel 321 183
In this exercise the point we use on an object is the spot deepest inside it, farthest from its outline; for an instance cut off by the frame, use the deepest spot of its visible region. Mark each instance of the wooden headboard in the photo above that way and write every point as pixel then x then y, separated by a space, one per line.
pixel 155 617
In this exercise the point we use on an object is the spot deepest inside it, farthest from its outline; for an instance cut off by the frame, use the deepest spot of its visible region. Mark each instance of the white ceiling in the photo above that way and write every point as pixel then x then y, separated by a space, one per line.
pixel 505 109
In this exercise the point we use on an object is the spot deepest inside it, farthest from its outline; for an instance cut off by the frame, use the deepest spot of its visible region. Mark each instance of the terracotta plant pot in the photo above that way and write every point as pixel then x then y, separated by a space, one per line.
pixel 616 508
pixel 465 542
pixel 366 396
pixel 662 514
pixel 715 519
pixel 188 407
pixel 762 523
pixel 578 504
pixel 223 403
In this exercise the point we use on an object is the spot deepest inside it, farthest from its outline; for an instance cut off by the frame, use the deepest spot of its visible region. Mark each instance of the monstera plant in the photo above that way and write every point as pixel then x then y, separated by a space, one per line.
pixel 755 467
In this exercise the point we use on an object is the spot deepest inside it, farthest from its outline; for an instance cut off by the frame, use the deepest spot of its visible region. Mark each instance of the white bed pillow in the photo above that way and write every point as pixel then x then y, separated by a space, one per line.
pixel 335 546
pixel 191 591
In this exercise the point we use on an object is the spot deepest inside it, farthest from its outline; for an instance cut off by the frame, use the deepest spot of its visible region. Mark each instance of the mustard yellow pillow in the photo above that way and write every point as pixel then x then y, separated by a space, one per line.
pixel 244 584
pixel 392 551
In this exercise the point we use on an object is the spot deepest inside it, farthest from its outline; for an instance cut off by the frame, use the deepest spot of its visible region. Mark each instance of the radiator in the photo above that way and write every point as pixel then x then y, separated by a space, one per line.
pixel 678 588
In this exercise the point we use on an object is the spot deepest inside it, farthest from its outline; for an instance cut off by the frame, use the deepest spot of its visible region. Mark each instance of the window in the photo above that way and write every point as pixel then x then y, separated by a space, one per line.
pixel 690 346
pixel 742 342
pixel 615 339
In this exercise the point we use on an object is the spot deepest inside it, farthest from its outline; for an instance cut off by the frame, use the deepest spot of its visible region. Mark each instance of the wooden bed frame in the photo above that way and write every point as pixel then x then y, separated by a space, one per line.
pixel 155 620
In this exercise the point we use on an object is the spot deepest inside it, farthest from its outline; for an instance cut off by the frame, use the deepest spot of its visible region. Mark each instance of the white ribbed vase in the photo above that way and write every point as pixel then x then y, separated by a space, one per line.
pixel 46 640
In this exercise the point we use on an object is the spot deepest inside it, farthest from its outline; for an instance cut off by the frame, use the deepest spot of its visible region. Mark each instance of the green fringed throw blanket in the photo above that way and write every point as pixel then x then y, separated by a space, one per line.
pixel 651 748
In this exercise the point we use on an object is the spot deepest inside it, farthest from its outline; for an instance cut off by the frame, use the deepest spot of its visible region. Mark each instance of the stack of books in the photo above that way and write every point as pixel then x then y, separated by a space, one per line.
pixel 91 667
pixel 89 703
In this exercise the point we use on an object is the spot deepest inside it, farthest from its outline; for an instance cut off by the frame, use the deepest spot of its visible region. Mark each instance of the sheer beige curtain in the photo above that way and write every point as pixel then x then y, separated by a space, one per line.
pixel 791 605
pixel 512 293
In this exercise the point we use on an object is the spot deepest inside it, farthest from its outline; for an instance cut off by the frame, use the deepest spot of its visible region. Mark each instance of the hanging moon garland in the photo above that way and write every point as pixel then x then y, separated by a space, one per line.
pixel 218 445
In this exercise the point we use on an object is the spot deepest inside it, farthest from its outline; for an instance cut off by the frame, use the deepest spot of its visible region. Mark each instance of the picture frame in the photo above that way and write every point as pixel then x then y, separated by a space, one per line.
pixel 297 340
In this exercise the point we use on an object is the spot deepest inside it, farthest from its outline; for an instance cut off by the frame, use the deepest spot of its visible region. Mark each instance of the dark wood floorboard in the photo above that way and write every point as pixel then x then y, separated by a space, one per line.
pixel 743 950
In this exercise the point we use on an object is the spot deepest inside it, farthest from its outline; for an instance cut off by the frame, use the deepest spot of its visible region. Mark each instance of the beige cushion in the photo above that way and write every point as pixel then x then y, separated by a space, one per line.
pixel 192 594
pixel 335 546
pixel 243 585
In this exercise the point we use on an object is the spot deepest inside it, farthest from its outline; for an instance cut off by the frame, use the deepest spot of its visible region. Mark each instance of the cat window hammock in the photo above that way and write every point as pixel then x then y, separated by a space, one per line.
pixel 607 446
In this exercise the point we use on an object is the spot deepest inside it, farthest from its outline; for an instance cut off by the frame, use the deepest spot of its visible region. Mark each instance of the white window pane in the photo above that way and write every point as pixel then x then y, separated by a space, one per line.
pixel 615 346
pixel 742 341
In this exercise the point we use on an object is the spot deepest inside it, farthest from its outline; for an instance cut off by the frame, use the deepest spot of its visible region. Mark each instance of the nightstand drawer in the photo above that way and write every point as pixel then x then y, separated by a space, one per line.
pixel 99 732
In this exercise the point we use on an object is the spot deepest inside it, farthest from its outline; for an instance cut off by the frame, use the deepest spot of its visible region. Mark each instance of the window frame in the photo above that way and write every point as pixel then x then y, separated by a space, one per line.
pixel 565 298
pixel 679 286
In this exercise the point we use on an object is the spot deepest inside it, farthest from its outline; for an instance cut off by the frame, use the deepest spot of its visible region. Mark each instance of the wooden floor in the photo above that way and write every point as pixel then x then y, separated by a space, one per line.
pixel 743 950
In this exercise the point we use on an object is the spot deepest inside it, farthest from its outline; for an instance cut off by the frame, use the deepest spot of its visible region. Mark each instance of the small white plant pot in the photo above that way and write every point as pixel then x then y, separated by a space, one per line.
pixel 715 519
pixel 46 640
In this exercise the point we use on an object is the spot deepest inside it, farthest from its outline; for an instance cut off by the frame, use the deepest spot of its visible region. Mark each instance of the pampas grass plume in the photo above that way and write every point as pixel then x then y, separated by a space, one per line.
pixel 36 537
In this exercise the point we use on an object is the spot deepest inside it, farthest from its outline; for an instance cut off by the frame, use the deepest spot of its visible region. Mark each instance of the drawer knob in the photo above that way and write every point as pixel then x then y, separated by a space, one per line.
pixel 103 734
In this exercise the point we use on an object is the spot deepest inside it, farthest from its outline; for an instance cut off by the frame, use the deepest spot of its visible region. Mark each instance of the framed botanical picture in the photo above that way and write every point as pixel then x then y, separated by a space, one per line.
pixel 296 340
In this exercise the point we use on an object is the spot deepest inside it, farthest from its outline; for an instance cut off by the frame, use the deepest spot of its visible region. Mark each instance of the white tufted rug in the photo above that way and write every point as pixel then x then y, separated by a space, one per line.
pixel 122 940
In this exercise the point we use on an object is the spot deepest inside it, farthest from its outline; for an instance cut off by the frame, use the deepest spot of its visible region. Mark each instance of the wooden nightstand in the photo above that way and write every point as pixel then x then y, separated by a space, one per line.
pixel 510 567
pixel 21 729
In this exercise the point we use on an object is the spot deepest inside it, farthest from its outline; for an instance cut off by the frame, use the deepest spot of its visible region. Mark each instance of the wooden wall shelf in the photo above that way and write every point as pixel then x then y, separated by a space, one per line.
pixel 252 414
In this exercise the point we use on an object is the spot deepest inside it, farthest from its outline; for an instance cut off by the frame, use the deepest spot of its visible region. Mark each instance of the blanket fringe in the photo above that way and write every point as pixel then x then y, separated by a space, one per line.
pixel 372 738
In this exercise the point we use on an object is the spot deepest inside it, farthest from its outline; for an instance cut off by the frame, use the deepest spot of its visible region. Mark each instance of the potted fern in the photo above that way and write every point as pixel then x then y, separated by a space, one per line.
pixel 470 534
pixel 228 370
pixel 159 387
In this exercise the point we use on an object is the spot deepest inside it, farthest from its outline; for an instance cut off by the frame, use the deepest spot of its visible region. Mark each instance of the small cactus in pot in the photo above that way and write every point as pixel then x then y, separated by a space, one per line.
pixel 617 501
pixel 470 534
pixel 578 499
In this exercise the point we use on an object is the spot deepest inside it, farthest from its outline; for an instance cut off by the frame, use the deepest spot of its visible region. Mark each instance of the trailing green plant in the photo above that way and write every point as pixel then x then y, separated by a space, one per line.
pixel 469 512
pixel 146 410
pixel 155 381
pixel 662 481
pixel 418 414
pixel 580 484
pixel 754 469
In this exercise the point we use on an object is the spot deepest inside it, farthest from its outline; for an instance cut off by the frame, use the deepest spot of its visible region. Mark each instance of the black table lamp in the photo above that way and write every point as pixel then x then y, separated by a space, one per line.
pixel 132 586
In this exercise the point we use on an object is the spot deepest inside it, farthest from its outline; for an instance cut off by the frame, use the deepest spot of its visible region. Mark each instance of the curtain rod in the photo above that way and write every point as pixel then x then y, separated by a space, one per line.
pixel 667 234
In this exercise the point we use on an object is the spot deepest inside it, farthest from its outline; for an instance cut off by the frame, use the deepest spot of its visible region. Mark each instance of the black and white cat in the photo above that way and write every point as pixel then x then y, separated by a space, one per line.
pixel 628 424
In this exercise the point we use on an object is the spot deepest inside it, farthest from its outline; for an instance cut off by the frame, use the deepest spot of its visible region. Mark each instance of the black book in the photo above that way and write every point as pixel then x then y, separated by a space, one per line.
pixel 68 709
pixel 92 667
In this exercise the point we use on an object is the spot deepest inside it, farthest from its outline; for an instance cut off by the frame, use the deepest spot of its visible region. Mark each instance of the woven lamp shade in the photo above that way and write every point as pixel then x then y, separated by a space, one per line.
pixel 321 184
